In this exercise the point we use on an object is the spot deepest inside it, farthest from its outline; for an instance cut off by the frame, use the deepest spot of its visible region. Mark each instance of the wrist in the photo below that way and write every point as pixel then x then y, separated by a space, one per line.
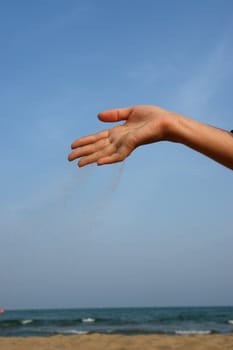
pixel 171 126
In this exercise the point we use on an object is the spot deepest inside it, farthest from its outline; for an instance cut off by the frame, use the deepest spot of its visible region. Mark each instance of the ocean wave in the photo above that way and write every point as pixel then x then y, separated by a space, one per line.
pixel 24 322
pixel 14 323
pixel 169 321
pixel 10 323
pixel 88 320
pixel 192 332
pixel 74 331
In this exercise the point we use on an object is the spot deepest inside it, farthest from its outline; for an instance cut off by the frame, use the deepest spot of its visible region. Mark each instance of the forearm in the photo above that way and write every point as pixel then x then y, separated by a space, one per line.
pixel 148 124
pixel 208 140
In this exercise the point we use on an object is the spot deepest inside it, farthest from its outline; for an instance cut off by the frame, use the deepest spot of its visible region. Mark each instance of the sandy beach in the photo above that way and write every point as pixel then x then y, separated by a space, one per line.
pixel 118 342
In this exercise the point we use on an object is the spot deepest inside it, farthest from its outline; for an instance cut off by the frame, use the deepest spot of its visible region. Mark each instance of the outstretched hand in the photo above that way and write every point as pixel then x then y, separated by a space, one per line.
pixel 143 125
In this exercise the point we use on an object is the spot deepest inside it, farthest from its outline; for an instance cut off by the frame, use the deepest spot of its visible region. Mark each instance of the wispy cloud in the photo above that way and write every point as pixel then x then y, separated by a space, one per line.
pixel 194 96
pixel 186 85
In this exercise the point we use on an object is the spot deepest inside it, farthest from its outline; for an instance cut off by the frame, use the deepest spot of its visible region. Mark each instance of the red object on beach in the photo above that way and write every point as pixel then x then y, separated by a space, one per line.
pixel 1 311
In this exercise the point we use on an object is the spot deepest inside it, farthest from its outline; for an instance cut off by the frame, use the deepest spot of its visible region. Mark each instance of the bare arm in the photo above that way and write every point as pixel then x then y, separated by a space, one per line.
pixel 148 124
pixel 213 142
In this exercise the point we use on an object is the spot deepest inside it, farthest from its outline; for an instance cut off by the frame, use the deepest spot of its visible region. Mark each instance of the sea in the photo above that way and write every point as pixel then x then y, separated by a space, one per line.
pixel 124 321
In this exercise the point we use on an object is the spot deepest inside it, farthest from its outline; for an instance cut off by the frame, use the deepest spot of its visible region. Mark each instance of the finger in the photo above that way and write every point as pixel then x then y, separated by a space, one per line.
pixel 89 149
pixel 115 115
pixel 122 153
pixel 114 158
pixel 93 158
pixel 89 139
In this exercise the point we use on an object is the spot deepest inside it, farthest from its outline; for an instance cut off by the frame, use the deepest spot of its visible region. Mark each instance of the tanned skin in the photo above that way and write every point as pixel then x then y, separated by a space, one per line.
pixel 149 124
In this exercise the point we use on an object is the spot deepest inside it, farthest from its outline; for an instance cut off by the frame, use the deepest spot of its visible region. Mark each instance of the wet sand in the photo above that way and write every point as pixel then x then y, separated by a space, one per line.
pixel 119 342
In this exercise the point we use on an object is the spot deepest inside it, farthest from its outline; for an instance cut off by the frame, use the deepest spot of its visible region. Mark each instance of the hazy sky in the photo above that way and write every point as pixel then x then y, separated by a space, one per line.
pixel 154 231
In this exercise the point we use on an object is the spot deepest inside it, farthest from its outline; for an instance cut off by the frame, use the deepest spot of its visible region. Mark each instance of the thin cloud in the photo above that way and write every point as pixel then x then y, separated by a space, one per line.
pixel 195 95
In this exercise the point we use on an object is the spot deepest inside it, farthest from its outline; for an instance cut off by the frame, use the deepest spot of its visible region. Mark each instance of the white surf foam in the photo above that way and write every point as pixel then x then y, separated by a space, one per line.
pixel 88 320
pixel 230 321
pixel 75 331
pixel 191 332
pixel 26 321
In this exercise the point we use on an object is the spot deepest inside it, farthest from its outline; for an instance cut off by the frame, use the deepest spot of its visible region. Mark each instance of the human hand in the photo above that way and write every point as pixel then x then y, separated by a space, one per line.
pixel 143 125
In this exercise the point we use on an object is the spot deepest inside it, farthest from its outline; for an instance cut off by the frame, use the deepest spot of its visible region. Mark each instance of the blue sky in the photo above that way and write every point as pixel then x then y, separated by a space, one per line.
pixel 153 231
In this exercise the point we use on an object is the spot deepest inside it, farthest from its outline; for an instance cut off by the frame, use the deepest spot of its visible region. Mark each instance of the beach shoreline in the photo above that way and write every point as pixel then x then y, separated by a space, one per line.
pixel 119 342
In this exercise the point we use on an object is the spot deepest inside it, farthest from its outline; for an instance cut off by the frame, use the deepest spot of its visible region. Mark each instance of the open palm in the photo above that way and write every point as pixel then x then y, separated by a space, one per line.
pixel 143 124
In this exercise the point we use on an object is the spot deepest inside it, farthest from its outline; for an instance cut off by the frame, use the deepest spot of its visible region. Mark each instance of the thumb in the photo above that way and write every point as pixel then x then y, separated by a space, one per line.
pixel 115 115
